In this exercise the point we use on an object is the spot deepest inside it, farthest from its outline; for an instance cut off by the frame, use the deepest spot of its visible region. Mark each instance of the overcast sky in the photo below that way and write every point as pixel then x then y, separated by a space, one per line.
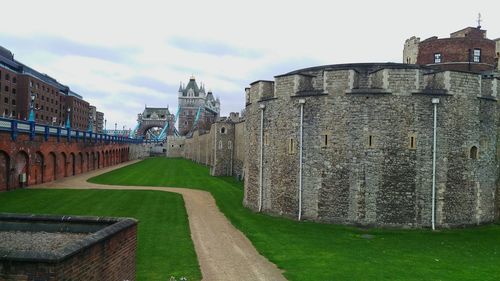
pixel 121 55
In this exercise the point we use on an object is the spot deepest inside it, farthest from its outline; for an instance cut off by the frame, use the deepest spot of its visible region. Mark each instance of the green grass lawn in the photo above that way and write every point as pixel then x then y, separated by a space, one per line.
pixel 164 243
pixel 312 251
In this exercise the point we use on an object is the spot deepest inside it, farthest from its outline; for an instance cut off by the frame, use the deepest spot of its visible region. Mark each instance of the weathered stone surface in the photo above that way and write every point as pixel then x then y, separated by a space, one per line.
pixel 367 172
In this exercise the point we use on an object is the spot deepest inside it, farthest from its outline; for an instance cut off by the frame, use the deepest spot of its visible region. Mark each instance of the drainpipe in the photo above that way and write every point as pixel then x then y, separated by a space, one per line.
pixel 435 102
pixel 214 162
pixel 301 102
pixel 261 179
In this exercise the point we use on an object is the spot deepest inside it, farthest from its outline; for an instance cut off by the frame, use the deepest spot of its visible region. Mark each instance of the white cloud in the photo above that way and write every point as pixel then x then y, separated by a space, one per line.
pixel 244 40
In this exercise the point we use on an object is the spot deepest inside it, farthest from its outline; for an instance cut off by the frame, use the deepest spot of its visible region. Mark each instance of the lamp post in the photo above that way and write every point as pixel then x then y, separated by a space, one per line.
pixel 105 128
pixel 68 123
pixel 91 123
pixel 32 109
pixel 115 127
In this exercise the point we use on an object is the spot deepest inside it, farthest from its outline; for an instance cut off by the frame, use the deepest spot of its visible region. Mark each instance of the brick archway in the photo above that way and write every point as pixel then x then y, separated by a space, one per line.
pixel 4 171
pixel 92 159
pixel 37 170
pixel 72 163
pixel 81 163
pixel 65 164
pixel 87 160
pixel 21 170
pixel 51 168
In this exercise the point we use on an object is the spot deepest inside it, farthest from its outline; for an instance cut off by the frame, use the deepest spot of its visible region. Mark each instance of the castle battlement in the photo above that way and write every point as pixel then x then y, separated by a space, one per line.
pixel 373 79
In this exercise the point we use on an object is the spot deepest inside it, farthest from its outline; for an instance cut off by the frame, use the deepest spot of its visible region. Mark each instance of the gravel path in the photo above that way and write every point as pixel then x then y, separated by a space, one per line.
pixel 224 253
pixel 39 241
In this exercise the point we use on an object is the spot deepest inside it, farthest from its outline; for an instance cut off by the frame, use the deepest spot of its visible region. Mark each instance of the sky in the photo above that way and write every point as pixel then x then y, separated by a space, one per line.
pixel 123 55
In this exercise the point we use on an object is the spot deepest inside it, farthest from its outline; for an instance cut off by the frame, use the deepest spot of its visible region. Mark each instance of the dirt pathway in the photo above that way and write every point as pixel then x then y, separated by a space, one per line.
pixel 224 253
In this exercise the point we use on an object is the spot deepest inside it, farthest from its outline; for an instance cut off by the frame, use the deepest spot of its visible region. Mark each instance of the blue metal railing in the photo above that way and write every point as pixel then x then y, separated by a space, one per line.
pixel 16 127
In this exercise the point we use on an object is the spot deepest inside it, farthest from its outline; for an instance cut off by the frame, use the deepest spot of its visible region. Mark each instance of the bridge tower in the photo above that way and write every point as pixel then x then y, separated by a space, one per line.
pixel 155 123
pixel 198 109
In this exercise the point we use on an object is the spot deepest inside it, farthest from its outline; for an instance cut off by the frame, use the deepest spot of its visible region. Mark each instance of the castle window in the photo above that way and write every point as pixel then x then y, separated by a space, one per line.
pixel 476 55
pixel 473 152
pixel 223 130
pixel 370 141
pixel 230 145
pixel 220 144
pixel 291 146
pixel 437 58
pixel 413 142
pixel 324 140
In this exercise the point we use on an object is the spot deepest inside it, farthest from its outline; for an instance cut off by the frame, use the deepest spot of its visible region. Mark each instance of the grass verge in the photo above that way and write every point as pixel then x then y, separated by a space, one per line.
pixel 164 243
pixel 313 251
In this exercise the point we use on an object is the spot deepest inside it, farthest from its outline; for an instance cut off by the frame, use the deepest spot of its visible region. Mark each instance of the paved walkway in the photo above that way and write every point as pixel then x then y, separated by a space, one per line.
pixel 224 253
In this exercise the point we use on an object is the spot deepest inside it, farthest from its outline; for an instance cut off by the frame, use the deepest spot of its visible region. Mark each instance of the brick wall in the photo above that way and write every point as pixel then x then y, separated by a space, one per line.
pixel 44 161
pixel 455 53
pixel 111 259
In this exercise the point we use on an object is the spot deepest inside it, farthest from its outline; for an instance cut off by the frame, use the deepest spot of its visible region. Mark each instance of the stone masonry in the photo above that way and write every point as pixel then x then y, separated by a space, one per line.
pixel 367 145
pixel 221 148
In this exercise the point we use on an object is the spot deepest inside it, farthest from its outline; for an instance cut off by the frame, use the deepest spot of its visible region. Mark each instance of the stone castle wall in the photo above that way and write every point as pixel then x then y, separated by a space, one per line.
pixel 221 148
pixel 367 153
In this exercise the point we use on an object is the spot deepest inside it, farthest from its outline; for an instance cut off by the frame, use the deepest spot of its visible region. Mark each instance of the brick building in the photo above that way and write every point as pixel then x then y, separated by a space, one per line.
pixel 79 111
pixel 465 50
pixel 99 122
pixel 20 84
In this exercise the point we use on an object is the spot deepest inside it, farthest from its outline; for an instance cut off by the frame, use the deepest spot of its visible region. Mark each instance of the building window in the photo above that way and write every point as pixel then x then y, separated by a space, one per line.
pixel 14 90
pixel 7 76
pixel 266 138
pixel 6 112
pixel 223 130
pixel 476 55
pixel 13 102
pixel 291 146
pixel 220 144
pixel 473 152
pixel 6 88
pixel 6 100
pixel 230 145
pixel 437 58
pixel 14 80
pixel 413 142
pixel 31 84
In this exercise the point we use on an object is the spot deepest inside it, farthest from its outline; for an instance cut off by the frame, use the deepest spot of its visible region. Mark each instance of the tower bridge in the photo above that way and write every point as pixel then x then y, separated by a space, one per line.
pixel 155 123
pixel 198 109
